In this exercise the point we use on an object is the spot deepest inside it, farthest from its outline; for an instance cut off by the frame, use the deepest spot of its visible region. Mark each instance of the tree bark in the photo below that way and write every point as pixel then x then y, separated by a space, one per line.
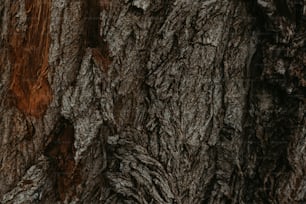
pixel 152 101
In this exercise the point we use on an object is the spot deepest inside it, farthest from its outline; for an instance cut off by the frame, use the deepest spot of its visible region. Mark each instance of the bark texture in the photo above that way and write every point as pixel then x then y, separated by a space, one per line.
pixel 152 101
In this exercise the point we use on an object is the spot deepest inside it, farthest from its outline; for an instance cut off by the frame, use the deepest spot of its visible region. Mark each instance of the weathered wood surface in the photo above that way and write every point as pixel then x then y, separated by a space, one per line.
pixel 152 101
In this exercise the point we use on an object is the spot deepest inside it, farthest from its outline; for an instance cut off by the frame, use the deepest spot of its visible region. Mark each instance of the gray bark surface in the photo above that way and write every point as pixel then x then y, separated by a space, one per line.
pixel 151 101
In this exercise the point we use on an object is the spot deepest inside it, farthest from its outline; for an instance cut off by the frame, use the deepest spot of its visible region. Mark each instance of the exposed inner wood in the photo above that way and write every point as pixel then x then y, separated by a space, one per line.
pixel 29 58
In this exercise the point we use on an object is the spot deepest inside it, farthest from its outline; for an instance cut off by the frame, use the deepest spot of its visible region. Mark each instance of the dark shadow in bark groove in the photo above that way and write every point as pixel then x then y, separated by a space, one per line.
pixel 100 48
pixel 269 124
pixel 61 153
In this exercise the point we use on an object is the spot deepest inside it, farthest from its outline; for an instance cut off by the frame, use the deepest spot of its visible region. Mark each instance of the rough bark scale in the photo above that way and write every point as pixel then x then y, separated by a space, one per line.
pixel 152 101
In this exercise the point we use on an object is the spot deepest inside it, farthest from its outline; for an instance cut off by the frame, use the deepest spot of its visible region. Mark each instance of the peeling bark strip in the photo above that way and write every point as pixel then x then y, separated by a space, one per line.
pixel 29 57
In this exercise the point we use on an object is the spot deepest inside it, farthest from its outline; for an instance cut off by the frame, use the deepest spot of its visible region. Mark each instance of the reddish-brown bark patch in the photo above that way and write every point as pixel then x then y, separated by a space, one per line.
pixel 101 56
pixel 29 58
pixel 100 48
pixel 104 4
pixel 61 151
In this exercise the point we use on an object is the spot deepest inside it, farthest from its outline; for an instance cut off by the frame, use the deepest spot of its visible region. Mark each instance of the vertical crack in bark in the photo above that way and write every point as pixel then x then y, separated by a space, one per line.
pixel 100 49
pixel 29 57
pixel 61 152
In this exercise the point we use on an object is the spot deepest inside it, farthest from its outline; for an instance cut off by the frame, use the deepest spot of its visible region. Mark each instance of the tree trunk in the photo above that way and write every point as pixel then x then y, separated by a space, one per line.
pixel 152 101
